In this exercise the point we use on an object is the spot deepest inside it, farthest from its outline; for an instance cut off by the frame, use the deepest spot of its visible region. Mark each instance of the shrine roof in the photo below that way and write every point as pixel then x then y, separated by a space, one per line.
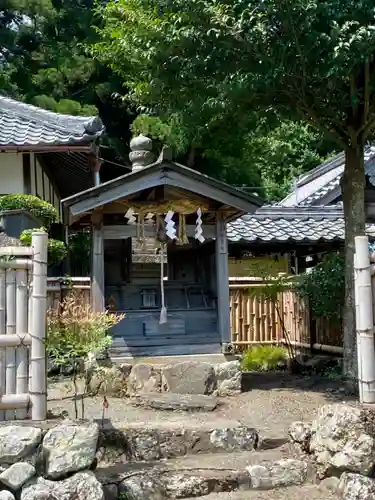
pixel 162 173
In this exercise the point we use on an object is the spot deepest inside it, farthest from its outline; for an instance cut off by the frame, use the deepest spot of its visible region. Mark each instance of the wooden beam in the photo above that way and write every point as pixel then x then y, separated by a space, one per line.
pixel 97 267
pixel 210 192
pixel 26 167
pixel 120 191
pixel 121 232
pixel 222 280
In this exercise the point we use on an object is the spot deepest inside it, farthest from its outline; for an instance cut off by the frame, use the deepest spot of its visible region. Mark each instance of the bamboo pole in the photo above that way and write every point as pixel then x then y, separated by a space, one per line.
pixel 10 353
pixel 29 316
pixel 21 329
pixel 10 402
pixel 365 324
pixel 359 364
pixel 38 327
pixel 2 336
pixel 16 251
pixel 16 264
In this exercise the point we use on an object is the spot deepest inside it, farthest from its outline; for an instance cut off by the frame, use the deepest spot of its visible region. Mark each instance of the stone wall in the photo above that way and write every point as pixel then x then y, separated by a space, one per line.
pixel 189 377
pixel 80 461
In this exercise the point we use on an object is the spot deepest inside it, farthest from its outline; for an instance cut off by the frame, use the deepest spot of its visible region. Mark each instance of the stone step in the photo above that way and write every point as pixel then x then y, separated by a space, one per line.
pixel 194 476
pixel 302 492
pixel 172 402
pixel 167 439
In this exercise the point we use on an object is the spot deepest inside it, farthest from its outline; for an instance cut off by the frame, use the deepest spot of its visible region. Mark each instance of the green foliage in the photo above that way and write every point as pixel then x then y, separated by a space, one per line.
pixel 324 287
pixel 42 210
pixel 263 358
pixel 57 250
pixel 79 252
pixel 75 331
pixel 307 59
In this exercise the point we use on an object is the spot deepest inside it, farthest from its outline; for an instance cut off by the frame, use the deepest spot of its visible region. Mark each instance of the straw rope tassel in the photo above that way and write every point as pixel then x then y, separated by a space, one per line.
pixel 163 312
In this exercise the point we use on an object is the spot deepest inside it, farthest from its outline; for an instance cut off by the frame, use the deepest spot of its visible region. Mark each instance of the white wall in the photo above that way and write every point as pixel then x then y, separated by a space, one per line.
pixel 41 185
pixel 11 173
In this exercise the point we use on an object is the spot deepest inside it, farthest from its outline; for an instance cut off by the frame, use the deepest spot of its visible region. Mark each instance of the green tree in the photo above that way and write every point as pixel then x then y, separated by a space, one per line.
pixel 308 59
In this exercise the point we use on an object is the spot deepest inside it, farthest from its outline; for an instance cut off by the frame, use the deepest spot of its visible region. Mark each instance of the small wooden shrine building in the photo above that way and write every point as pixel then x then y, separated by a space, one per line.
pixel 178 303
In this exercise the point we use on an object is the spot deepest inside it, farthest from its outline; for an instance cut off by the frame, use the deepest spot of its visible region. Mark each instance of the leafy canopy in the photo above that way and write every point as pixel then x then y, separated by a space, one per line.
pixel 310 59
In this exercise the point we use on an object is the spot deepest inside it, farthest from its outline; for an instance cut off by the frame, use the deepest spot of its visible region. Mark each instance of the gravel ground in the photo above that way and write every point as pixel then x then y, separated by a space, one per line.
pixel 268 408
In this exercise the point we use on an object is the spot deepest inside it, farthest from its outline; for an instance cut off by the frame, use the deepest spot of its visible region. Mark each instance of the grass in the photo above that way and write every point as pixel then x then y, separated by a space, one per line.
pixel 263 358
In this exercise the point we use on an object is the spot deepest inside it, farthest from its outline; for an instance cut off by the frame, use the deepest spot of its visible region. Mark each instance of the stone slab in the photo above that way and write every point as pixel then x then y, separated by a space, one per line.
pixel 172 401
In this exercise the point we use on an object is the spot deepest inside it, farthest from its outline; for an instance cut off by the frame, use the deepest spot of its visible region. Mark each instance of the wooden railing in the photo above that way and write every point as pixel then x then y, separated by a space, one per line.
pixel 253 321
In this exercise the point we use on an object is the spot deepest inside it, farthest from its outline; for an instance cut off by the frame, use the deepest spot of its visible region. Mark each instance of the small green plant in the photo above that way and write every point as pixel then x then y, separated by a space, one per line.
pixel 78 334
pixel 263 358
pixel 42 210
pixel 57 250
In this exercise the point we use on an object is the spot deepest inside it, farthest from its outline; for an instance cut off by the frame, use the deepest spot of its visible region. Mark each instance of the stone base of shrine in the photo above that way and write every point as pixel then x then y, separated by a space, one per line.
pixel 170 360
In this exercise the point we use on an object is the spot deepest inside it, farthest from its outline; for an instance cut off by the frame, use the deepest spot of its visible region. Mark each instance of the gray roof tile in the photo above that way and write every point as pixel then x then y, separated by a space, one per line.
pixel 26 125
pixel 295 225
pixel 311 188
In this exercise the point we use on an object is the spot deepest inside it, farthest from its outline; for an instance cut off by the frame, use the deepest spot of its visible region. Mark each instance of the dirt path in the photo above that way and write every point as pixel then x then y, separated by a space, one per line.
pixel 268 408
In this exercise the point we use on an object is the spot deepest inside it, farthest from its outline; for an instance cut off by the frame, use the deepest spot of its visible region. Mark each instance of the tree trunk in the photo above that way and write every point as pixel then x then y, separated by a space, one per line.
pixel 353 194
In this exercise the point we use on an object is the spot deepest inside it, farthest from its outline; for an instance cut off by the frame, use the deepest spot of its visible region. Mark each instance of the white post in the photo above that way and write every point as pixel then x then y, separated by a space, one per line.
pixel 365 321
pixel 38 368
pixel 359 355
pixel 10 352
pixel 21 330
pixel 2 333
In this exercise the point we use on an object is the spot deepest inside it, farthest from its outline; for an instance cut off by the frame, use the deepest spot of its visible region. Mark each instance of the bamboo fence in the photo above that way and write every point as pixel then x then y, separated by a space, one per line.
pixel 253 321
pixel 23 293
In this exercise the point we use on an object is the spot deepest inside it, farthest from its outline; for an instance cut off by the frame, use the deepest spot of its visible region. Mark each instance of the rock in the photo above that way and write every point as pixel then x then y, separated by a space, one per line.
pixel 17 475
pixel 342 439
pixel 69 447
pixel 18 442
pixel 228 378
pixel 330 483
pixel 236 438
pixel 300 433
pixel 287 472
pixel 356 487
pixel 189 377
pixel 141 487
pixel 81 486
pixel 6 495
pixel 108 381
pixel 172 401
pixel 144 378
pixel 126 369
pixel 186 486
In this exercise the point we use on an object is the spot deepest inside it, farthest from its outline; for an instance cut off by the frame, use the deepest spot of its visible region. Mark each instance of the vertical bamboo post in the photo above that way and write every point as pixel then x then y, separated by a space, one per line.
pixel 365 321
pixel 38 392
pixel 29 314
pixel 21 330
pixel 2 332
pixel 357 323
pixel 10 352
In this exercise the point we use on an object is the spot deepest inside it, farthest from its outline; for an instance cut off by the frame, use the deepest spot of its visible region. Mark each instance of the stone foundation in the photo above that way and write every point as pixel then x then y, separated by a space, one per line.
pixel 189 377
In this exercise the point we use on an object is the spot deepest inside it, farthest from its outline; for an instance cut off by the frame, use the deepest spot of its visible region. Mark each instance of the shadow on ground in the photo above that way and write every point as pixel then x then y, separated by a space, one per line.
pixel 334 389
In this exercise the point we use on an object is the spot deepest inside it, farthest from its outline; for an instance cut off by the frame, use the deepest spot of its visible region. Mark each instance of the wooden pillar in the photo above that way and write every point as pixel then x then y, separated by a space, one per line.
pixel 97 264
pixel 222 281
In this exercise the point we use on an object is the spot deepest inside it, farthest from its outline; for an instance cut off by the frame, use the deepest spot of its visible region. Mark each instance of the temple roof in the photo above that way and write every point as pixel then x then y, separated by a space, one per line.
pixel 23 125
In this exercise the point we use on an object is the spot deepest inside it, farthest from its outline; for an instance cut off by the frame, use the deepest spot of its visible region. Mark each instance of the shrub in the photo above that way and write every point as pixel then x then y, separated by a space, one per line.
pixel 57 250
pixel 324 287
pixel 42 210
pixel 77 333
pixel 263 358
